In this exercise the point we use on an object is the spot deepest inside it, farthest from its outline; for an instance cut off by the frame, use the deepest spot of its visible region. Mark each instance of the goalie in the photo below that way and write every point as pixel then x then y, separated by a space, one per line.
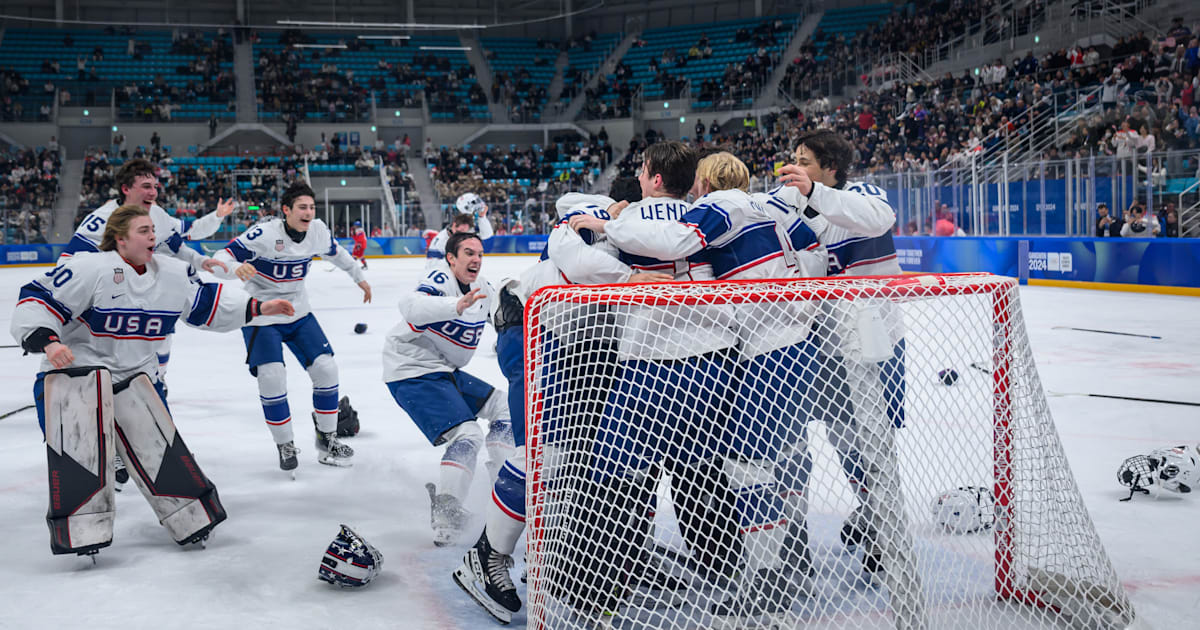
pixel 99 318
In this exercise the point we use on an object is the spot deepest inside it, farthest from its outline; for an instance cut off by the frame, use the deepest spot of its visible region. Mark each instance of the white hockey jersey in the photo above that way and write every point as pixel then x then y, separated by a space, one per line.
pixel 741 241
pixel 854 224
pixel 432 336
pixel 203 227
pixel 437 247
pixel 656 333
pixel 109 315
pixel 167 235
pixel 282 264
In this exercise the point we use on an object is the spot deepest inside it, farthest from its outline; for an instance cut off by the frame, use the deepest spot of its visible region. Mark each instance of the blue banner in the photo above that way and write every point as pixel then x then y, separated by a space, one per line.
pixel 1160 262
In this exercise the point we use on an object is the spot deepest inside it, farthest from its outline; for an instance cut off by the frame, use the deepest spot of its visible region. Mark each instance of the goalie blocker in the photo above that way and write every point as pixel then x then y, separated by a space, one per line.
pixel 84 412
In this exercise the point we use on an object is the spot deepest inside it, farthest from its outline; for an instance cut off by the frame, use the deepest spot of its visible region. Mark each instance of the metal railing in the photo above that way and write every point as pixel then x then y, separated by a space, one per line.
pixel 1045 197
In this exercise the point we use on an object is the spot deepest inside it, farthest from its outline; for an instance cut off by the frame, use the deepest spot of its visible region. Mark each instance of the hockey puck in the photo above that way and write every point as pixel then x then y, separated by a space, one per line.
pixel 360 329
pixel 948 377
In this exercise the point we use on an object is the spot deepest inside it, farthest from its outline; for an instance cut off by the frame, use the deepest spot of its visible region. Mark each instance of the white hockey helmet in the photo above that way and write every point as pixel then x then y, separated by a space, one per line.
pixel 964 510
pixel 470 203
pixel 1137 473
pixel 350 561
pixel 1176 468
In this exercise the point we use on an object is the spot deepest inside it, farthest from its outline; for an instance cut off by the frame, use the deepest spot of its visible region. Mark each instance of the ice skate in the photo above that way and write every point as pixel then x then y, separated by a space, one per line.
pixel 331 451
pixel 287 457
pixel 484 576
pixel 761 603
pixel 447 516
pixel 120 474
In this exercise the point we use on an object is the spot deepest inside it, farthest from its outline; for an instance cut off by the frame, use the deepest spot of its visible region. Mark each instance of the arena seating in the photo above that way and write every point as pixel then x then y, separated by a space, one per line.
pixel 30 51
pixel 530 68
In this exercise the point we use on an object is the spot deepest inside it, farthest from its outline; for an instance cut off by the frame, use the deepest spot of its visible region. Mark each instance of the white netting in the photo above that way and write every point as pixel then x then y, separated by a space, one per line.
pixel 728 455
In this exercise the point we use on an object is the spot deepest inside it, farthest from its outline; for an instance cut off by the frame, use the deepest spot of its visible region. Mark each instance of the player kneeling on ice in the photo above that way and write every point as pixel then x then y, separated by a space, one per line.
pixel 273 258
pixel 441 322
pixel 99 318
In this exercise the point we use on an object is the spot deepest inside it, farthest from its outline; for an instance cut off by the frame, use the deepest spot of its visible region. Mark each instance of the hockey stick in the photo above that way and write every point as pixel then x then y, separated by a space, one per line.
pixel 978 365
pixel 11 346
pixel 1132 398
pixel 1106 332
pixel 16 411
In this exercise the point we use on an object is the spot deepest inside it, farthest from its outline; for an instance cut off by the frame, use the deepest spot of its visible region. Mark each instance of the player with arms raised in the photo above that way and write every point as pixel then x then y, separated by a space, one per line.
pixel 112 309
pixel 441 323
pixel 273 258
pixel 472 217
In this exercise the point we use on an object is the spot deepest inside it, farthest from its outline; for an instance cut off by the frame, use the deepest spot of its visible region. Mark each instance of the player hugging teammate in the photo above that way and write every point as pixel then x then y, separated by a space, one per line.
pixel 816 224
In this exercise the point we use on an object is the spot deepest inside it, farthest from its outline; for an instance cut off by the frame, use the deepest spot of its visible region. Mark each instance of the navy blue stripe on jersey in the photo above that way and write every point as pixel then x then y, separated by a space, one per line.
pixel 710 220
pixel 645 263
pixel 434 253
pixel 462 334
pixel 756 244
pixel 174 242
pixel 429 290
pixel 34 292
pixel 129 323
pixel 282 270
pixel 801 236
pixel 240 252
pixel 332 245
pixel 860 251
pixel 79 243
pixel 204 307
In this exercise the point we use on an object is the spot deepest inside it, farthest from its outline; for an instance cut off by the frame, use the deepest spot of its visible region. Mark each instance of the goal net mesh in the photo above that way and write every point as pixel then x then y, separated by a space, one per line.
pixel 824 453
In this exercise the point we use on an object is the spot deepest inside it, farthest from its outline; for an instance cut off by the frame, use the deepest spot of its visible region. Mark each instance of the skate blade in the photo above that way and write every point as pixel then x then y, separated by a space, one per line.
pixel 339 462
pixel 466 581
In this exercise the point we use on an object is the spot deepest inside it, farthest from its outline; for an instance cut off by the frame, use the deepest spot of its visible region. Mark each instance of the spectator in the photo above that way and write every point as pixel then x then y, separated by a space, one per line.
pixel 1139 224
pixel 1172 225
pixel 1106 226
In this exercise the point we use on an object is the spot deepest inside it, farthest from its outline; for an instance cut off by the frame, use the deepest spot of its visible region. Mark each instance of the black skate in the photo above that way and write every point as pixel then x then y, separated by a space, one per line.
pixel 484 576
pixel 287 456
pixel 763 602
pixel 120 474
pixel 331 451
pixel 447 516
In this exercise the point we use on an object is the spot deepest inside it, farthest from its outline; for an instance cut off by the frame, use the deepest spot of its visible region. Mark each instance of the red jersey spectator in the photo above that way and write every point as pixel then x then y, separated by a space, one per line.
pixel 360 244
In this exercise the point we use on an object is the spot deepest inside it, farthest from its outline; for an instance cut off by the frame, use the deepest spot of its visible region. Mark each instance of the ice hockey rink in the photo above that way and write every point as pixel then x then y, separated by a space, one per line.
pixel 259 569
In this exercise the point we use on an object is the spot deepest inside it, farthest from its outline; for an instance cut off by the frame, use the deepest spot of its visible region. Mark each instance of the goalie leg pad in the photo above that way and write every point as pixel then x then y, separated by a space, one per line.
pixel 184 500
pixel 77 404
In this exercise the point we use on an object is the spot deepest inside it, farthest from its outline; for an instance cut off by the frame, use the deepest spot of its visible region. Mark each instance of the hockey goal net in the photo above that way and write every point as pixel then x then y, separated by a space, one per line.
pixel 827 453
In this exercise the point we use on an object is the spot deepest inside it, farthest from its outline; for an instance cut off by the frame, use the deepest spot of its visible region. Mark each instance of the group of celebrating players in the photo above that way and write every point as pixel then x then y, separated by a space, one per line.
pixel 106 339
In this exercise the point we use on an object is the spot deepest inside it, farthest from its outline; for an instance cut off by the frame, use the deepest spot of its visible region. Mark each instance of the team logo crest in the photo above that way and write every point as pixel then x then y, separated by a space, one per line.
pixel 279 245
pixel 118 276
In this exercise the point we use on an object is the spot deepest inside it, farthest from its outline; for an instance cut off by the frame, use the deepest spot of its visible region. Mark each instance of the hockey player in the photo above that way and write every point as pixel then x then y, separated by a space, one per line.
pixel 484 572
pixel 138 184
pixel 741 241
pixel 440 325
pixel 360 244
pixel 273 258
pixel 658 348
pixel 472 217
pixel 853 222
pixel 107 312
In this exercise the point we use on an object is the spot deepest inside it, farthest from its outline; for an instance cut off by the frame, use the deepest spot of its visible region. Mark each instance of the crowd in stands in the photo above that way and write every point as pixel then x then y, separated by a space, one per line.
pixel 518 183
pixel 285 86
pixel 28 189
pixel 156 100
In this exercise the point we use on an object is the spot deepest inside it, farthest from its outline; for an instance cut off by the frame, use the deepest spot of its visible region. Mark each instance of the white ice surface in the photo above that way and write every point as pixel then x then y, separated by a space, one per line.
pixel 259 570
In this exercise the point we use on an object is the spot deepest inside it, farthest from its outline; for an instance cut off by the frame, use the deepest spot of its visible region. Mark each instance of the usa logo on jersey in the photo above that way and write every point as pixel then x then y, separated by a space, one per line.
pixel 279 245
pixel 458 333
pixel 121 323
pixel 118 275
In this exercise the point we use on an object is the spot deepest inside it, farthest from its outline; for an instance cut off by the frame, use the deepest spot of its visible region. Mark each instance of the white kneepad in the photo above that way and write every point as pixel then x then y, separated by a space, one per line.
pixel 465 432
pixel 272 379
pixel 323 371
pixel 496 407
